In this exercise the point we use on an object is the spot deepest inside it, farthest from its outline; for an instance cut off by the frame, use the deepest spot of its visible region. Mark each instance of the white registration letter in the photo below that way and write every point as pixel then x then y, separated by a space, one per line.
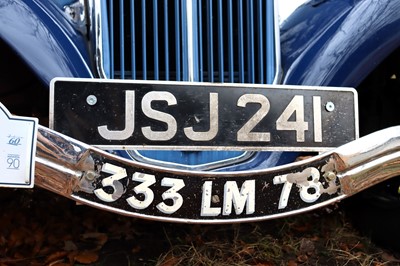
pixel 206 209
pixel 117 173
pixel 239 199
pixel 212 132
pixel 296 106
pixel 143 188
pixel 245 133
pixel 172 194
pixel 158 115
pixel 129 121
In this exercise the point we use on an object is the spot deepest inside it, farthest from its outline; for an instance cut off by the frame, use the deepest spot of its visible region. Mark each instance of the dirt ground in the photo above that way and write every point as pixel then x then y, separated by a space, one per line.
pixel 40 228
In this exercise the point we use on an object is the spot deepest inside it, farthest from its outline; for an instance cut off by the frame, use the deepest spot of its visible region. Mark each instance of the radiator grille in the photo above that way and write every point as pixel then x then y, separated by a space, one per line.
pixel 189 40
pixel 215 41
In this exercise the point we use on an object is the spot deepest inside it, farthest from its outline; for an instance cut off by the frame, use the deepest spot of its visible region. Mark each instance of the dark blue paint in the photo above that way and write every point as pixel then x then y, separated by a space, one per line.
pixel 338 43
pixel 49 44
pixel 333 43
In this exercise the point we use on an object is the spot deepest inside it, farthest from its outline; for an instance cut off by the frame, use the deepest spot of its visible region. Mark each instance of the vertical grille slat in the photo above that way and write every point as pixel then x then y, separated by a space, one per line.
pixel 111 28
pixel 260 40
pixel 200 40
pixel 270 45
pixel 133 39
pixel 177 42
pixel 220 43
pixel 250 41
pixel 166 40
pixel 144 40
pixel 194 65
pixel 241 42
pixel 155 37
pixel 230 42
pixel 184 41
pixel 196 40
pixel 122 39
pixel 210 41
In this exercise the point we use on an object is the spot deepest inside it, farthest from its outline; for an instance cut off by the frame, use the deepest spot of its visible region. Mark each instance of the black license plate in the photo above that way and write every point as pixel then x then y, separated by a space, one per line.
pixel 201 197
pixel 115 114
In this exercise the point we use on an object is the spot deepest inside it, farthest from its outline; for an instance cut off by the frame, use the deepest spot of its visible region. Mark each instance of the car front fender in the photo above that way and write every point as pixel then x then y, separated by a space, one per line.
pixel 338 43
pixel 38 38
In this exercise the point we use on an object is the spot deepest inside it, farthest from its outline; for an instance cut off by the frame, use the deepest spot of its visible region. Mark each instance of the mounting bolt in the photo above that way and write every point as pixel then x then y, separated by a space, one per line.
pixel 90 175
pixel 91 100
pixel 330 106
pixel 215 199
pixel 330 176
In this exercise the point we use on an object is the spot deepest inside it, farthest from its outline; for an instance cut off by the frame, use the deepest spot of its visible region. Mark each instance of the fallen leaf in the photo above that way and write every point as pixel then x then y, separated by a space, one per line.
pixel 302 258
pixel 389 257
pixel 70 245
pixel 359 246
pixel 59 263
pixel 56 256
pixel 39 238
pixel 17 238
pixel 86 257
pixel 170 261
pixel 136 249
pixel 99 239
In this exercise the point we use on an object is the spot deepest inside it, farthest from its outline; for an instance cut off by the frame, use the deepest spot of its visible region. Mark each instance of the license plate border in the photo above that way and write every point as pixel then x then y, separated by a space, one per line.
pixel 217 85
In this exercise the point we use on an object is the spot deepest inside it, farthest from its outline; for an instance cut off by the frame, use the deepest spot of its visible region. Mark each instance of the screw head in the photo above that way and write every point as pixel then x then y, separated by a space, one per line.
pixel 215 199
pixel 90 175
pixel 91 100
pixel 330 176
pixel 330 106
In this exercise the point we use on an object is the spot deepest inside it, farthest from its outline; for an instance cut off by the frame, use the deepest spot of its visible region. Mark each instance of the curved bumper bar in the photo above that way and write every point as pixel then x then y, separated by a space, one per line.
pixel 99 179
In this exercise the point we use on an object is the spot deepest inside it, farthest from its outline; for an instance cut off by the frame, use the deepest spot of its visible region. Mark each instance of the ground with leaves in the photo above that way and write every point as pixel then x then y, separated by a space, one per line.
pixel 40 228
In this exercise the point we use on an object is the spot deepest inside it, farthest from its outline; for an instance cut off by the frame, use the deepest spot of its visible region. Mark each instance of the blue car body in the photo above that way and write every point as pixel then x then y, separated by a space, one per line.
pixel 323 43
pixel 338 43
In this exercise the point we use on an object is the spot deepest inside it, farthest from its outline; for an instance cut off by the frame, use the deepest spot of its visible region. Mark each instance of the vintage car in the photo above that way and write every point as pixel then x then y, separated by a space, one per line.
pixel 206 105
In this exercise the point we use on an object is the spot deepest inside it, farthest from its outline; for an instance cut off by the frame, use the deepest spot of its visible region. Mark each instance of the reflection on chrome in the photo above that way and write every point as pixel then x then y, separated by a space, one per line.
pixel 67 166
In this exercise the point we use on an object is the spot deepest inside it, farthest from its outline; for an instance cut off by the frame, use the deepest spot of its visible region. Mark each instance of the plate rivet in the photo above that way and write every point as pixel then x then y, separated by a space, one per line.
pixel 330 176
pixel 215 199
pixel 91 100
pixel 330 106
pixel 90 175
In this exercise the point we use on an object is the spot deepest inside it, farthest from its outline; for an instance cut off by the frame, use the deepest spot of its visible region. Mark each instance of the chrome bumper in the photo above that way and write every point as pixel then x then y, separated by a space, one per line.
pixel 74 169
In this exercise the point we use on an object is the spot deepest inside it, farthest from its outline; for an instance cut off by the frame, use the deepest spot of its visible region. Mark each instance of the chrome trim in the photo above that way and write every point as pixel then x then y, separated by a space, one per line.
pixel 64 165
pixel 370 160
pixel 278 66
pixel 77 15
pixel 189 28
pixel 98 35
pixel 198 167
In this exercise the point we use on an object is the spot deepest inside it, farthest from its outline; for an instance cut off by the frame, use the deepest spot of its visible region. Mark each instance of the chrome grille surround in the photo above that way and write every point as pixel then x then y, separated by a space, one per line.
pixel 211 55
